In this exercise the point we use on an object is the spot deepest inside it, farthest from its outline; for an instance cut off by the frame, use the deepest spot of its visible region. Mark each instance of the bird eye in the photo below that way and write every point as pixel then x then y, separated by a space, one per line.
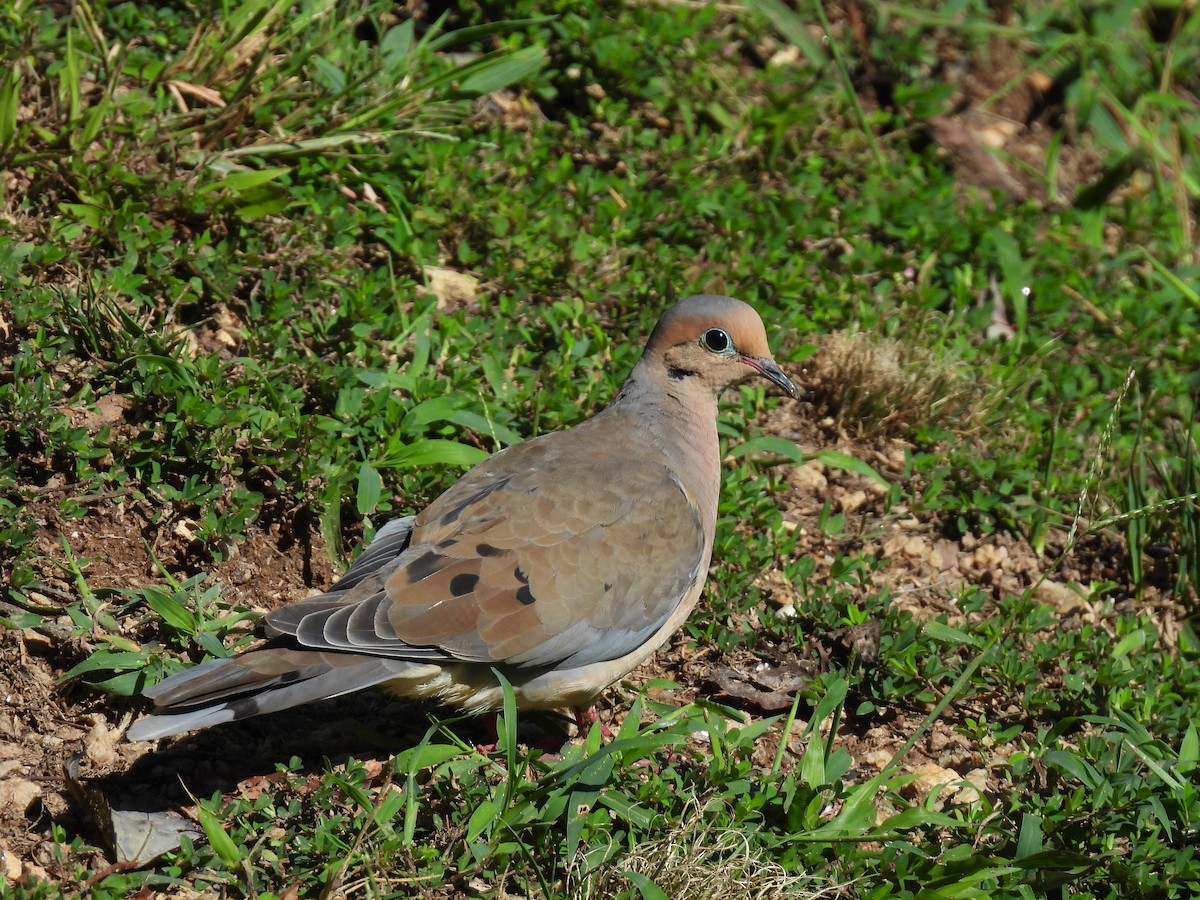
pixel 716 340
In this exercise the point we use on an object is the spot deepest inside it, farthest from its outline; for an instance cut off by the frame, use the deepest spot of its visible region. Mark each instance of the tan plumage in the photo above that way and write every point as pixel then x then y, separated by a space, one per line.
pixel 563 562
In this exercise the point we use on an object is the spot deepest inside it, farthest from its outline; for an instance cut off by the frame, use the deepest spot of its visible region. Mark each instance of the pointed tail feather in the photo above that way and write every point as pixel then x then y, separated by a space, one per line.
pixel 261 681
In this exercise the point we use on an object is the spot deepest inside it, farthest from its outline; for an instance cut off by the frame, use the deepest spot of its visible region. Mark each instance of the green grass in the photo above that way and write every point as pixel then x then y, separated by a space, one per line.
pixel 214 256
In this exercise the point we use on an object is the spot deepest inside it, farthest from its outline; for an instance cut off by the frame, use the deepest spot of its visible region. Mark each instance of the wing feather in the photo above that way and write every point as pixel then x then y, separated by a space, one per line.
pixel 524 562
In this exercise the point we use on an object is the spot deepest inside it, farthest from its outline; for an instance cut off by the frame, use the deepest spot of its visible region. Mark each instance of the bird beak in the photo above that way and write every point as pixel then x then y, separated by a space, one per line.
pixel 769 369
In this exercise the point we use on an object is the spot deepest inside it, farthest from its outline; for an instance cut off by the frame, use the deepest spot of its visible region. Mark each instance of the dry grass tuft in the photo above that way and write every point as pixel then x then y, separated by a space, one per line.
pixel 882 387
pixel 697 860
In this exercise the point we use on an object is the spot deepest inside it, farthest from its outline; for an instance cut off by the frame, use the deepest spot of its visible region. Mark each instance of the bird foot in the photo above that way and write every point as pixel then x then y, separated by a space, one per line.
pixel 585 717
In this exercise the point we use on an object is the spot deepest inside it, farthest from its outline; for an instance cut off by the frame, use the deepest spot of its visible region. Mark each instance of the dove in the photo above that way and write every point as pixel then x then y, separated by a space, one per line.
pixel 562 562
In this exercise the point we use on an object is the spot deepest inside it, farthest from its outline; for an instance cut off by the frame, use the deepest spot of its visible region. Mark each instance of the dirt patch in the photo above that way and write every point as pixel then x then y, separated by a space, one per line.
pixel 122 541
pixel 45 722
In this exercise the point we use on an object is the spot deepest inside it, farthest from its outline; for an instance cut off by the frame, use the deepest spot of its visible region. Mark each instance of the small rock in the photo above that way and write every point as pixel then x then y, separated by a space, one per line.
pixel 453 289
pixel 243 573
pixel 988 557
pixel 1067 598
pixel 971 792
pixel 10 865
pixel 877 758
pixel 852 501
pixel 100 745
pixel 35 639
pixel 884 809
pixel 929 778
pixel 17 794
pixel 944 556
pixel 809 478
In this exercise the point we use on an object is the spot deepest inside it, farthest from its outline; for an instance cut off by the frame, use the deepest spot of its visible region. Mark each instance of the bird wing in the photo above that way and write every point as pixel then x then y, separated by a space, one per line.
pixel 390 541
pixel 532 560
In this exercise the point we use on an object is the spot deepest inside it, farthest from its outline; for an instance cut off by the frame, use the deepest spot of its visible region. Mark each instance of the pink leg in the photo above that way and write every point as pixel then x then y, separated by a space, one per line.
pixel 585 716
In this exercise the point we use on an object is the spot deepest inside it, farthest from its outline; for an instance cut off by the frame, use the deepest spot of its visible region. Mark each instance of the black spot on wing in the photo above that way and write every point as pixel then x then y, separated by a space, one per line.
pixel 524 594
pixel 487 550
pixel 463 583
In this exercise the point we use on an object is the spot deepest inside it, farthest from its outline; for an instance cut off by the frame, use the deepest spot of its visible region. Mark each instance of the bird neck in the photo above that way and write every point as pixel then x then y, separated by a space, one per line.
pixel 678 417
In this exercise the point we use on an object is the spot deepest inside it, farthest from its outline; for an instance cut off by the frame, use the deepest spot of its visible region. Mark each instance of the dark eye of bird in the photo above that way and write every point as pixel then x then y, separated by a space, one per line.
pixel 716 340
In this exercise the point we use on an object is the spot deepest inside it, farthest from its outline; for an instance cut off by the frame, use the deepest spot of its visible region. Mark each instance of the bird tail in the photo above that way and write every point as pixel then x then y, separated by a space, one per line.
pixel 257 682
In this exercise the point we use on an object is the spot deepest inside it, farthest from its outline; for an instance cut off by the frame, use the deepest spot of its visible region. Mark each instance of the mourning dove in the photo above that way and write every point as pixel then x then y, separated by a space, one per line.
pixel 562 562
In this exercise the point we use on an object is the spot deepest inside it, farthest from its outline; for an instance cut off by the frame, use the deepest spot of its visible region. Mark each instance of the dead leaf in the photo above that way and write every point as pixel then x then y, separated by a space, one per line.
pixel 861 641
pixel 128 836
pixel 965 142
pixel 142 837
pixel 769 689
pixel 254 787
